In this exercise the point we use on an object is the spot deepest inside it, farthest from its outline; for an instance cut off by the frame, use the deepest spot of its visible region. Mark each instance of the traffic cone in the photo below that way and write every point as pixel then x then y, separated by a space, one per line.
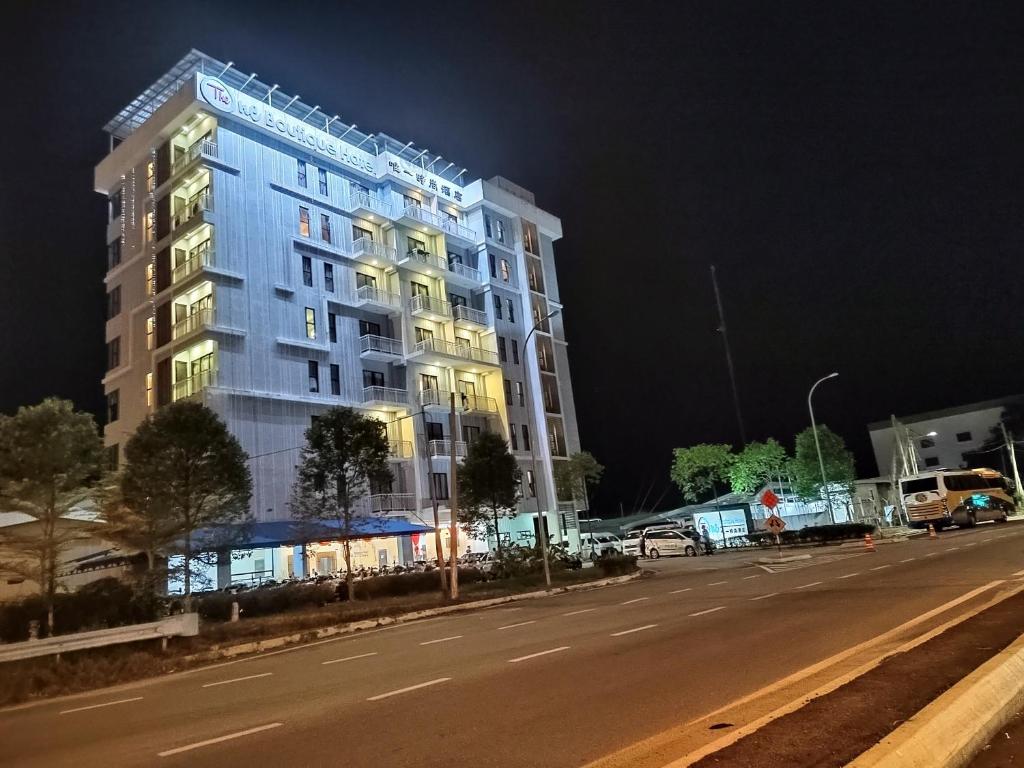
pixel 869 543
pixel 931 532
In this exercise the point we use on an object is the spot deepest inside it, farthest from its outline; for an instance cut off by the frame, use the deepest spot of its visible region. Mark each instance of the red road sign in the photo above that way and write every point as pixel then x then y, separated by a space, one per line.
pixel 769 499
pixel 775 524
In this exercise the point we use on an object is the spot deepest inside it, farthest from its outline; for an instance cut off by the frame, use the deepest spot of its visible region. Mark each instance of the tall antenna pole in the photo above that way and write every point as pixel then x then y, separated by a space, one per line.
pixel 728 358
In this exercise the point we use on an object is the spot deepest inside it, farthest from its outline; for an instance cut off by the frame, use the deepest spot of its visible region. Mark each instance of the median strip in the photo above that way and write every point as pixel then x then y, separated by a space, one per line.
pixel 350 658
pixel 540 653
pixel 416 687
pixel 441 640
pixel 709 610
pixel 635 629
pixel 520 624
pixel 237 680
pixel 218 740
pixel 98 706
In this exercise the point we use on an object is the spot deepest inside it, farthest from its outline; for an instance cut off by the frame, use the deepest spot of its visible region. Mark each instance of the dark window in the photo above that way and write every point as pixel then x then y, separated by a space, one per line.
pixel 963 437
pixel 502 352
pixel 113 353
pixel 301 172
pixel 366 328
pixel 416 245
pixel 435 430
pixel 332 327
pixel 115 205
pixel 113 406
pixel 114 254
pixel 335 379
pixel 497 307
pixel 114 302
pixel 515 351
pixel 423 334
pixel 470 434
pixel 322 173
pixel 969 482
pixel 419 289
pixel 365 280
pixel 358 233
pixel 526 437
pixel 314 376
pixel 328 277
pixel 931 461
pixel 113 456
pixel 927 442
pixel 531 483
pixel 520 393
pixel 511 311
pixel 456 300
pixel 514 437
pixel 494 270
pixel 921 485
pixel 373 379
pixel 307 271
pixel 325 227
pixel 508 392
pixel 440 485
pixel 487 225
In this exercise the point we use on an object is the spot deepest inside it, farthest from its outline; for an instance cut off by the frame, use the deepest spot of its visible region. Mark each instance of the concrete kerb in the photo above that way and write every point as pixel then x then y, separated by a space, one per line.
pixel 950 731
pixel 258 646
pixel 786 559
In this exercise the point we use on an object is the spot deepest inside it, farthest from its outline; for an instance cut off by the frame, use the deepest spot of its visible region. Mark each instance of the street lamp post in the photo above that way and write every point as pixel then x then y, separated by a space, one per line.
pixel 817 444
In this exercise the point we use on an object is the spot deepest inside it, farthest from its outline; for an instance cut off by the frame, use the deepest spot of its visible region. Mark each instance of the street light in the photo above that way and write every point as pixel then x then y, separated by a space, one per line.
pixel 817 444
pixel 542 531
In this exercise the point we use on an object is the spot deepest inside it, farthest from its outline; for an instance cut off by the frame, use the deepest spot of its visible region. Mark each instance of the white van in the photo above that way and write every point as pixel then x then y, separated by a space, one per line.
pixel 599 543
pixel 672 542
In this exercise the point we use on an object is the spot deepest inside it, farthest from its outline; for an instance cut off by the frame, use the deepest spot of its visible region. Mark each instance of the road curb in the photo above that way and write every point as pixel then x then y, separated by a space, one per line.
pixel 787 559
pixel 950 731
pixel 273 643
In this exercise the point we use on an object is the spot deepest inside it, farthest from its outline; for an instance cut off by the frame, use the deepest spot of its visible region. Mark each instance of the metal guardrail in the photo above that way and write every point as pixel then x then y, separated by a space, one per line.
pixel 180 625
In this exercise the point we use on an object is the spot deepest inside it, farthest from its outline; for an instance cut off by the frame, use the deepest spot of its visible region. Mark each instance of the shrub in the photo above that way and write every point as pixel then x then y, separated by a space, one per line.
pixel 410 583
pixel 616 564
pixel 262 602
pixel 817 534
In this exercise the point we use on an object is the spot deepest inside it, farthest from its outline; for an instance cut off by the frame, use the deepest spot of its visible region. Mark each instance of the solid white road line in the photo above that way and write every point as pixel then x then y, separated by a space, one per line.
pixel 380 696
pixel 709 610
pixel 716 583
pixel 635 629
pixel 805 586
pixel 97 706
pixel 634 600
pixel 677 591
pixel 908 559
pixel 441 640
pixel 218 740
pixel 878 567
pixel 764 597
pixel 237 680
pixel 751 577
pixel 577 613
pixel 350 658
pixel 849 575
pixel 520 624
pixel 541 653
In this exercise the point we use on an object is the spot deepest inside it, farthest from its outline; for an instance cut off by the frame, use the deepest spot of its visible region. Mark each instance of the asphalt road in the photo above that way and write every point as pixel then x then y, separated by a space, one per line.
pixel 559 681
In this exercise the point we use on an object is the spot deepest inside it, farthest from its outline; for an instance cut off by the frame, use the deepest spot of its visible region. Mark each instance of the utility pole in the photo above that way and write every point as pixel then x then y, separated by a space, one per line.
pixel 1008 439
pixel 454 504
pixel 433 503
pixel 728 358
pixel 817 445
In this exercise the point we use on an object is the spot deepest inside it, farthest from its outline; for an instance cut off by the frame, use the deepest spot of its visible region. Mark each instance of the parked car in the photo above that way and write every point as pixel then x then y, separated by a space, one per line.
pixel 599 543
pixel 672 542
pixel 631 543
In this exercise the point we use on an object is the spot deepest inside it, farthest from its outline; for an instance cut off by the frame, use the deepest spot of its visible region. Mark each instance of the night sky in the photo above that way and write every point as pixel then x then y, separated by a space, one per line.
pixel 853 169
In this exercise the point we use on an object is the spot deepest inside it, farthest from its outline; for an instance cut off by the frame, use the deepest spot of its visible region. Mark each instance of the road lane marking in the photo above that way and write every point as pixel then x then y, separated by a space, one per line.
pixel 634 600
pixel 520 624
pixel 237 680
pixel 709 610
pixel 635 629
pixel 416 687
pixel 218 740
pixel 908 559
pixel 1019 573
pixel 952 548
pixel 931 554
pixel 879 567
pixel 716 583
pixel 441 640
pixel 983 541
pixel 541 653
pixel 764 597
pixel 350 658
pixel 751 577
pixel 812 584
pixel 849 575
pixel 970 544
pixel 577 613
pixel 98 706
pixel 677 591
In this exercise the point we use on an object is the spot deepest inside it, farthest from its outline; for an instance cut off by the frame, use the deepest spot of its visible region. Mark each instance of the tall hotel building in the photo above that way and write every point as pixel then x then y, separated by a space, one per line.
pixel 271 261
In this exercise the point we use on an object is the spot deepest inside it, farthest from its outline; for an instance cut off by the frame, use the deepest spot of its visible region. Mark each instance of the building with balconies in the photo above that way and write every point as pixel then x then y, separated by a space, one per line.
pixel 272 261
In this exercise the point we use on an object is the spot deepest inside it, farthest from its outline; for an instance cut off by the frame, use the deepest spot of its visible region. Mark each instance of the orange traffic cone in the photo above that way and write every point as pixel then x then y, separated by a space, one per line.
pixel 869 543
pixel 931 532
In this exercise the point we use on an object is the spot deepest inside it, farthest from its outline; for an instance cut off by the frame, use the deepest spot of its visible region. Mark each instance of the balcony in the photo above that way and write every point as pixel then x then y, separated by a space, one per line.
pixel 460 274
pixel 382 503
pixel 193 211
pixel 194 384
pixel 441 352
pixel 197 320
pixel 479 404
pixel 203 148
pixel 366 251
pixel 455 230
pixel 467 317
pixel 423 219
pixel 199 259
pixel 377 299
pixel 399 450
pixel 424 262
pixel 442 449
pixel 430 308
pixel 379 348
pixel 368 206
pixel 434 399
pixel 385 398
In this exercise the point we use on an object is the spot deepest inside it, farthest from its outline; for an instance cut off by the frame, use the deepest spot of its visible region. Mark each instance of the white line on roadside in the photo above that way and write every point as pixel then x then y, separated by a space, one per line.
pixel 805 586
pixel 350 658
pixel 1019 573
pixel 751 577
pixel 577 613
pixel 677 591
pixel 520 624
pixel 849 575
pixel 879 567
pixel 908 559
pixel 635 629
pixel 380 696
pixel 97 706
pixel 709 610
pixel 764 597
pixel 634 600
pixel 541 653
pixel 219 739
pixel 237 680
pixel 441 640
pixel 716 583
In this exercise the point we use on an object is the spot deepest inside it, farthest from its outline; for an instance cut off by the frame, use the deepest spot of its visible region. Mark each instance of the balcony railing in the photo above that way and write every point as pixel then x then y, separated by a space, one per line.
pixel 427 258
pixel 479 403
pixel 385 395
pixel 400 449
pixel 391 502
pixel 439 397
pixel 423 215
pixel 196 261
pixel 193 322
pixel 430 304
pixel 468 314
pixel 194 384
pixel 463 351
pixel 368 248
pixel 463 271
pixel 443 448
pixel 202 203
pixel 378 296
pixel 203 147
pixel 367 202
pixel 382 344
pixel 454 228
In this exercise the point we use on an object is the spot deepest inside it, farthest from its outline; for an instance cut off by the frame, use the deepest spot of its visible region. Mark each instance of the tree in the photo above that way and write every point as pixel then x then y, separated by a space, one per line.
pixel 142 524
pixel 756 465
pixel 701 468
pixel 488 485
pixel 574 477
pixel 185 474
pixel 806 471
pixel 50 457
pixel 346 454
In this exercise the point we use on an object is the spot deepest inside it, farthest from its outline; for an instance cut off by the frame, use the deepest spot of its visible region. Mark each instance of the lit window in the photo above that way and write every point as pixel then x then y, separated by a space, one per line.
pixel 301 173
pixel 310 323
pixel 150 282
pixel 149 389
pixel 150 176
pixel 499 230
pixel 149 227
pixel 506 271
pixel 531 483
pixel 520 393
pixel 150 328
pixel 304 221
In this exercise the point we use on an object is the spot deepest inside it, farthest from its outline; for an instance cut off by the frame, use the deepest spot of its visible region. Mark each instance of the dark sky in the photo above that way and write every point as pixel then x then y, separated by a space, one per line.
pixel 853 169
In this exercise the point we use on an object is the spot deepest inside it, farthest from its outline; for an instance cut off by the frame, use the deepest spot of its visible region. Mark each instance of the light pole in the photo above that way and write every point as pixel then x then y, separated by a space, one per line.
pixel 542 531
pixel 817 444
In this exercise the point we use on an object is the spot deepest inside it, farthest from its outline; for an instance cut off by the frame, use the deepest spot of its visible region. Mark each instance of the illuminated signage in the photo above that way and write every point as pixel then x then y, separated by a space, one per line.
pixel 420 177
pixel 722 525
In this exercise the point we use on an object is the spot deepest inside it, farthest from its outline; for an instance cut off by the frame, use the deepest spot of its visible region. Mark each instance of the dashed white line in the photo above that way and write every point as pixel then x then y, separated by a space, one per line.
pixel 908 559
pixel 577 613
pixel 716 583
pixel 931 554
pixel 541 653
pixel 756 575
pixel 634 600
pixel 984 541
pixel 635 629
pixel 219 739
pixel 950 549
pixel 849 575
pixel 441 640
pixel 879 567
pixel 677 591
pixel 805 586
pixel 765 597
pixel 416 687
pixel 970 544
pixel 350 658
pixel 237 680
pixel 98 706
pixel 520 624
pixel 709 610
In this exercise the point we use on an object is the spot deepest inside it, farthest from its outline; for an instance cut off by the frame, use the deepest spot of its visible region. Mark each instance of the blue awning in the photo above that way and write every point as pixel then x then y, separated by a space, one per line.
pixel 281 533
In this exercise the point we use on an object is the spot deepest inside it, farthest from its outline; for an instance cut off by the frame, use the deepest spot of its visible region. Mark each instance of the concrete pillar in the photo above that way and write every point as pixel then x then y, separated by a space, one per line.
pixel 223 568
pixel 299 562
